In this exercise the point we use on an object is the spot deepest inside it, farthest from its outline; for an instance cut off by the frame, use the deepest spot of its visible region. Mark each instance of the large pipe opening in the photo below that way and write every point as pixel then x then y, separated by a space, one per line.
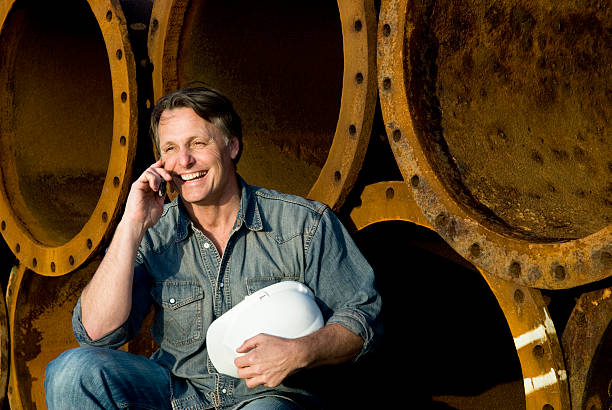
pixel 281 63
pixel 57 117
pixel 511 101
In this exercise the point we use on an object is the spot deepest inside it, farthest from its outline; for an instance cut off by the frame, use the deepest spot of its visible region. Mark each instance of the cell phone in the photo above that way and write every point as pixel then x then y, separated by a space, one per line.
pixel 161 191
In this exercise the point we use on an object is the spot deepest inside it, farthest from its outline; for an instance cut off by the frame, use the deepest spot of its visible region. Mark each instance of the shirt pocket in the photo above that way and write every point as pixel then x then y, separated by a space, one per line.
pixel 257 283
pixel 178 319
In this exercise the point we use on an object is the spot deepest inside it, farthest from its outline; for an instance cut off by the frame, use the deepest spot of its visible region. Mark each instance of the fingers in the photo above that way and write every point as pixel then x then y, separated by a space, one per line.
pixel 154 176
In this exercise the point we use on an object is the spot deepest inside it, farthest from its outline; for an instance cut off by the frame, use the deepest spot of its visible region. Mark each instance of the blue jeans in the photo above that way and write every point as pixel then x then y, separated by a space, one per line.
pixel 100 378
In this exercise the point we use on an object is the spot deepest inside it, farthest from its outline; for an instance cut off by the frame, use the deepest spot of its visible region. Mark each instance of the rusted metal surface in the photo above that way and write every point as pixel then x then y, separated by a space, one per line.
pixel 536 342
pixel 497 114
pixel 40 320
pixel 305 86
pixel 587 347
pixel 535 337
pixel 40 312
pixel 68 127
pixel 4 351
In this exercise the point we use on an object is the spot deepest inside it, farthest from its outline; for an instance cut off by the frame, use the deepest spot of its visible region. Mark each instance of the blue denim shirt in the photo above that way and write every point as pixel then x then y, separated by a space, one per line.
pixel 275 237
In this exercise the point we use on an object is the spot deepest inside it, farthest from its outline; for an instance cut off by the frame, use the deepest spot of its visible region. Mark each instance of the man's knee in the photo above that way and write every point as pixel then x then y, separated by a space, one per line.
pixel 76 372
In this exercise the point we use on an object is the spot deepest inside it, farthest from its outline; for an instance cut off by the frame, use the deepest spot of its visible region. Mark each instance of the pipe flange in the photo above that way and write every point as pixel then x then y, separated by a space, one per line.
pixel 463 216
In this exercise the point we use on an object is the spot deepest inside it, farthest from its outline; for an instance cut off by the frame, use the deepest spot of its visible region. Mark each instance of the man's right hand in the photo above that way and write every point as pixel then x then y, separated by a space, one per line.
pixel 144 206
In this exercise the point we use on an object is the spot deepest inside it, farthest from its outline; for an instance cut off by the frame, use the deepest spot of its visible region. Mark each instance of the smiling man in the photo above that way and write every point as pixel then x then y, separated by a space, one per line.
pixel 194 259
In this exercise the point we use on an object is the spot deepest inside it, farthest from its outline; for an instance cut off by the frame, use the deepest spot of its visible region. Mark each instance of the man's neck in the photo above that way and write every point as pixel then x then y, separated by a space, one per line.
pixel 216 220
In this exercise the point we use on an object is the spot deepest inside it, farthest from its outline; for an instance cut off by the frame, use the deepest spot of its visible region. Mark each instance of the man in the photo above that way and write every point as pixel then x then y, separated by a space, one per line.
pixel 193 259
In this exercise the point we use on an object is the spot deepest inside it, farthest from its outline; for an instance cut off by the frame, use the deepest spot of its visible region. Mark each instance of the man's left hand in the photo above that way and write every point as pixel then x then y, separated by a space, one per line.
pixel 268 360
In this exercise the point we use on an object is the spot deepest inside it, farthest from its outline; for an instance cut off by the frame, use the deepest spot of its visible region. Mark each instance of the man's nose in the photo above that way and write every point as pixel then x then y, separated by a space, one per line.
pixel 185 158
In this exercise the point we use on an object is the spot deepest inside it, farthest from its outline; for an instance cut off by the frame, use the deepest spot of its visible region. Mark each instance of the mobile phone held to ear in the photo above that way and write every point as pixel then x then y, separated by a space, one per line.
pixel 161 191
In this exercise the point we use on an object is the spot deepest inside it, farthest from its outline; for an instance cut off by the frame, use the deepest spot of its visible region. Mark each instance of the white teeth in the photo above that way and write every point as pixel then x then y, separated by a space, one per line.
pixel 189 177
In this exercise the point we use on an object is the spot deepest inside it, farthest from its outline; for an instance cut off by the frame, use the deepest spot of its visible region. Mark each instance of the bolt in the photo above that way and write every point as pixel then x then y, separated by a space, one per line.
pixel 358 25
pixel 119 54
pixel 89 244
pixel 415 181
pixel 475 250
pixel 337 176
pixel 390 193
pixel 104 216
pixel 359 78
pixel 397 135
pixel 519 297
pixel 386 30
pixel 441 220
pixel 17 248
pixel 538 351
pixel 122 140
pixel 559 272
pixel 515 269
pixel 109 15
pixel 386 83
pixel 52 266
pixel 71 260
pixel 352 130
pixel 123 96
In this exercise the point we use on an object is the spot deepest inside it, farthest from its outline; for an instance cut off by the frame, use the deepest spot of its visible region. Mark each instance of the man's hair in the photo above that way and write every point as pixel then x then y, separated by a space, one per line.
pixel 207 103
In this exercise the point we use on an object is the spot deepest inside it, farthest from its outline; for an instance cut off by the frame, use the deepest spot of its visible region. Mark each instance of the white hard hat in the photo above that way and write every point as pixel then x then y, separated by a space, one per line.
pixel 286 309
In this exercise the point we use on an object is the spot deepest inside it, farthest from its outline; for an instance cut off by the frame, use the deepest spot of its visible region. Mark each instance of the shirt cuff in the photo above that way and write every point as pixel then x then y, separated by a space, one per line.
pixel 112 340
pixel 356 323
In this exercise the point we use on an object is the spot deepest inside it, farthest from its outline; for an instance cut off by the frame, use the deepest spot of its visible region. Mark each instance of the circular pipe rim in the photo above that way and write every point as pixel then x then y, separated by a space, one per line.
pixel 358 101
pixel 559 265
pixel 60 260
pixel 529 323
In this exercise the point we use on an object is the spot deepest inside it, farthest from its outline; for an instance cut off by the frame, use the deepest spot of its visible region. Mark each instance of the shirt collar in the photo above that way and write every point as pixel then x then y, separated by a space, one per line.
pixel 248 213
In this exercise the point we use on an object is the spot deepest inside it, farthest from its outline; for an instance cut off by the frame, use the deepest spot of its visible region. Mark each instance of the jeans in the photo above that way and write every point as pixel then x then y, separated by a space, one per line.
pixel 100 378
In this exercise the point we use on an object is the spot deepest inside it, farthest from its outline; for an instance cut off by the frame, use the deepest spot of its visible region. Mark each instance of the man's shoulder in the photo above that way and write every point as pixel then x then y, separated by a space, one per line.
pixel 271 200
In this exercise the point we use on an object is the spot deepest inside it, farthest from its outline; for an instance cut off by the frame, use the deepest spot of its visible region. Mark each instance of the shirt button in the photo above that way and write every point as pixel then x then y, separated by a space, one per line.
pixel 221 284
pixel 172 301
pixel 206 245
pixel 224 390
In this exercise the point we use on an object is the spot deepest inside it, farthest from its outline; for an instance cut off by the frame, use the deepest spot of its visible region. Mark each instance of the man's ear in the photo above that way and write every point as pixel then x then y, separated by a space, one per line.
pixel 234 146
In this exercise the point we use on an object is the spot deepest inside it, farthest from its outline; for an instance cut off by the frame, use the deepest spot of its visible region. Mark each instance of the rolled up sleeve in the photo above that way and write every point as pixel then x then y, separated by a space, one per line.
pixel 141 304
pixel 342 280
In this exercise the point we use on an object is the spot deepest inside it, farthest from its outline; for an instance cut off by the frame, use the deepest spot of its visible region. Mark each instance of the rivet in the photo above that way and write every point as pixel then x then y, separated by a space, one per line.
pixel 475 250
pixel 89 244
pixel 519 297
pixel 386 83
pixel 559 272
pixel 386 30
pixel 123 96
pixel 397 135
pixel 389 193
pixel 337 176
pixel 352 130
pixel 359 78
pixel 515 269
pixel 119 54
pixel 52 266
pixel 538 351
pixel 109 15
pixel 358 25
pixel 116 181
pixel 415 181
pixel 606 259
pixel 71 260
pixel 104 216
pixel 441 220
pixel 122 140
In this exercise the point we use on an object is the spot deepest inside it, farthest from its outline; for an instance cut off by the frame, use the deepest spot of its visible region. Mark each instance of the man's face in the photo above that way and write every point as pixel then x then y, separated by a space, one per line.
pixel 195 152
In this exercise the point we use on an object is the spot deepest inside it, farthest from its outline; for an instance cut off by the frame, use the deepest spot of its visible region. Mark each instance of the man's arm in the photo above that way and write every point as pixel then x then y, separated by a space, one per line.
pixel 106 301
pixel 269 359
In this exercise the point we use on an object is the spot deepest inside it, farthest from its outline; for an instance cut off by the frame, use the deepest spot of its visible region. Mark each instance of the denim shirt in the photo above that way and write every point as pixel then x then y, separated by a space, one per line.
pixel 275 237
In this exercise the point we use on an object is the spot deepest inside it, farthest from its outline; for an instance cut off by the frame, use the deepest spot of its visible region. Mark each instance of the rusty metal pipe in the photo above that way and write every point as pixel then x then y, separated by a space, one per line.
pixel 301 75
pixel 67 128
pixel 498 115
